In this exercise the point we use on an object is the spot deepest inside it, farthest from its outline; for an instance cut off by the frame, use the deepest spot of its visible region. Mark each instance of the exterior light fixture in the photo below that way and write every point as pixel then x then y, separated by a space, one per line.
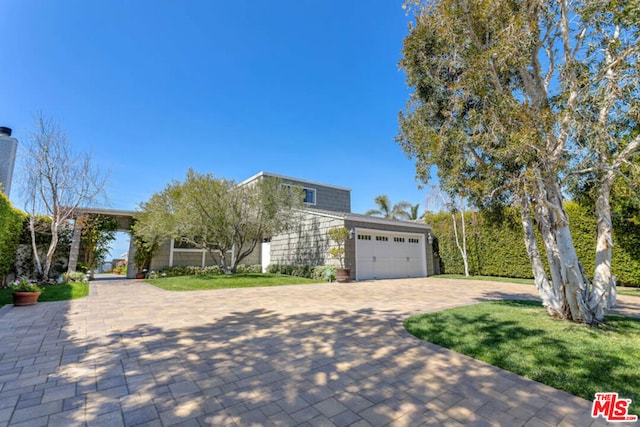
pixel 429 238
pixel 352 233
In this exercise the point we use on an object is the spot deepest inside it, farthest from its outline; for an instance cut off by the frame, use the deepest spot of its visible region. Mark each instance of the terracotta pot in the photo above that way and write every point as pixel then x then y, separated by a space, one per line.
pixel 25 298
pixel 140 275
pixel 343 275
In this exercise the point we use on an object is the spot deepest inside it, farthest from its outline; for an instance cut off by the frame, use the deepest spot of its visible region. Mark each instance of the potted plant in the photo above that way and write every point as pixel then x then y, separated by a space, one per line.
pixel 144 254
pixel 340 235
pixel 25 292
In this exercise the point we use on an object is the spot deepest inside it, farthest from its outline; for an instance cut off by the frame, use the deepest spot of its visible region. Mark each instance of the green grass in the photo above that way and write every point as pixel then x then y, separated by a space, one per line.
pixel 628 291
pixel 52 293
pixel 622 290
pixel 520 337
pixel 222 281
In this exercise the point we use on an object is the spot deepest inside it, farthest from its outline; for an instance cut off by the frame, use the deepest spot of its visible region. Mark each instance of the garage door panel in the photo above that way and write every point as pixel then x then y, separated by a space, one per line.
pixel 389 255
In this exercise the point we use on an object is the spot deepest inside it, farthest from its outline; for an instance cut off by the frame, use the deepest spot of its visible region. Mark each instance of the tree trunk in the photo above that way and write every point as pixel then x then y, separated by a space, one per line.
pixel 34 246
pixel 603 294
pixel 575 282
pixel 51 251
pixel 463 248
pixel 551 299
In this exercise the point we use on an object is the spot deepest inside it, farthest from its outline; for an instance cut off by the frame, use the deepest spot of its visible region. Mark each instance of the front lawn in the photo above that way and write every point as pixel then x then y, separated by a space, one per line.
pixel 520 337
pixel 52 293
pixel 221 281
pixel 622 290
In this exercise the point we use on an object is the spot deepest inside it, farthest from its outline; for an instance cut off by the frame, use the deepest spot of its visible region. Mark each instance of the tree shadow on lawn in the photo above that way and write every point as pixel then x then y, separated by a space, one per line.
pixel 582 367
pixel 264 367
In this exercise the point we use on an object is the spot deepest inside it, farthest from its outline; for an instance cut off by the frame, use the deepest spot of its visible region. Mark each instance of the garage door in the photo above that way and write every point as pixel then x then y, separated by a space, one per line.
pixel 388 255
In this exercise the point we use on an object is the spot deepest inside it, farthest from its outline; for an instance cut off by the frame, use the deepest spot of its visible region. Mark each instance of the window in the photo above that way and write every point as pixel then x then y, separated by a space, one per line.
pixel 412 240
pixel 309 193
pixel 382 238
pixel 309 196
pixel 364 237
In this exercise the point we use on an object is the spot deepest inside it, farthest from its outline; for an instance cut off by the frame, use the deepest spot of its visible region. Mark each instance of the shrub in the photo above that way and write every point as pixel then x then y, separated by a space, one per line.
pixel 308 271
pixel 496 247
pixel 249 268
pixel 73 276
pixel 190 270
pixel 11 220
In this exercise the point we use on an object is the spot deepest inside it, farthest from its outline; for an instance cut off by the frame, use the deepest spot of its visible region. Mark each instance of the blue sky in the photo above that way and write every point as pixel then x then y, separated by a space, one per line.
pixel 151 88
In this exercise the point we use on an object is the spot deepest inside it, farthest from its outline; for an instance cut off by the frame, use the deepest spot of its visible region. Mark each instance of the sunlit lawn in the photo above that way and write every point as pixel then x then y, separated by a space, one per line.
pixel 520 337
pixel 221 281
pixel 622 290
pixel 52 293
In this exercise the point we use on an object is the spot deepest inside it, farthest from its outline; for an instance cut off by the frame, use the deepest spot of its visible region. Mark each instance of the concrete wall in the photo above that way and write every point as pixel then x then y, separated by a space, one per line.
pixel 308 243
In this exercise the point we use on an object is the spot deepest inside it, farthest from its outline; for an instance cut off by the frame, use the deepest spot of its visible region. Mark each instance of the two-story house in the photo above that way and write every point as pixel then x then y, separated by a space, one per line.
pixel 377 248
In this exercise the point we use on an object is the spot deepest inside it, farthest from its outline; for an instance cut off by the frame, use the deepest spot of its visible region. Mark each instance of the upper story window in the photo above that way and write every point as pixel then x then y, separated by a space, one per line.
pixel 309 194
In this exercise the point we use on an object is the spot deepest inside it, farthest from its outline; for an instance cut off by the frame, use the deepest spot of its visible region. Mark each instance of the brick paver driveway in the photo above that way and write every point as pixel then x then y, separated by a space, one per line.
pixel 322 354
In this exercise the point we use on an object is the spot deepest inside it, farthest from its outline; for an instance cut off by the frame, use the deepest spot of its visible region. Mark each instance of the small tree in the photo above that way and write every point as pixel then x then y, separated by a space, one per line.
pixel 98 231
pixel 56 183
pixel 340 236
pixel 226 219
pixel 144 252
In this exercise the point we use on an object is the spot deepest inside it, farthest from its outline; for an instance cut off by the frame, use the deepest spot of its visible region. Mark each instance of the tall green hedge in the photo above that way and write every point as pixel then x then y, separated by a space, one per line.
pixel 11 220
pixel 496 248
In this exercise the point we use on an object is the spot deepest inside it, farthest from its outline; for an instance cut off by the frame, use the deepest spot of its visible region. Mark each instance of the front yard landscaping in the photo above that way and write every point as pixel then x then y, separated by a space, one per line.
pixel 61 292
pixel 520 337
pixel 222 281
pixel 622 290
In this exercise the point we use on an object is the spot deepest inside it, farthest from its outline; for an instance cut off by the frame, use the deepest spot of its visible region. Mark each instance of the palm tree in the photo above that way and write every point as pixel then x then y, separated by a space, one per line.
pixel 413 212
pixel 385 210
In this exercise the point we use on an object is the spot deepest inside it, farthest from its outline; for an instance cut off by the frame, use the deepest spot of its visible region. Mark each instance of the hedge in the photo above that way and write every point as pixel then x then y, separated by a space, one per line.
pixel 496 247
pixel 308 271
pixel 11 220
pixel 191 270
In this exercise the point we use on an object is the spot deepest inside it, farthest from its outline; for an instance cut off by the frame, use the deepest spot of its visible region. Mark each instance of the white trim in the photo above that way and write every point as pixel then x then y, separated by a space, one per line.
pixel 171 254
pixel 305 181
pixel 374 220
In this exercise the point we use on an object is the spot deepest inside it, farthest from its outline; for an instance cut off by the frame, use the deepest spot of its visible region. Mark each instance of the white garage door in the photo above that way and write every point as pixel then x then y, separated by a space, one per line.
pixel 388 255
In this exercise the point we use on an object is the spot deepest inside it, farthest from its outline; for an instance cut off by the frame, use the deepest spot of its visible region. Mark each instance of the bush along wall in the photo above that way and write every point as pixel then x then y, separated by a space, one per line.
pixel 496 247
pixel 11 220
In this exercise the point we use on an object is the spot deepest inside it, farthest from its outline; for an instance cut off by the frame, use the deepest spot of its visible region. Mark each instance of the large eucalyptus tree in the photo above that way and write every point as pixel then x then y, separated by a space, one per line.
pixel 512 97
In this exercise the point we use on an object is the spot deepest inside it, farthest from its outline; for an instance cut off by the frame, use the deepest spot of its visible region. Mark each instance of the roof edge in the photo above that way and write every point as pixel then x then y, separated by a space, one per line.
pixel 290 178
pixel 374 220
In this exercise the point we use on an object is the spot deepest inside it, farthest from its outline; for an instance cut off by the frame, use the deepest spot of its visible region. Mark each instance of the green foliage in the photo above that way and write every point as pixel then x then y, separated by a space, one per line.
pixel 73 276
pixel 520 337
pixel 308 271
pixel 23 284
pixel 401 210
pixel 219 215
pixel 57 292
pixel 190 270
pixel 495 245
pixel 98 231
pixel 11 220
pixel 340 236
pixel 144 251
